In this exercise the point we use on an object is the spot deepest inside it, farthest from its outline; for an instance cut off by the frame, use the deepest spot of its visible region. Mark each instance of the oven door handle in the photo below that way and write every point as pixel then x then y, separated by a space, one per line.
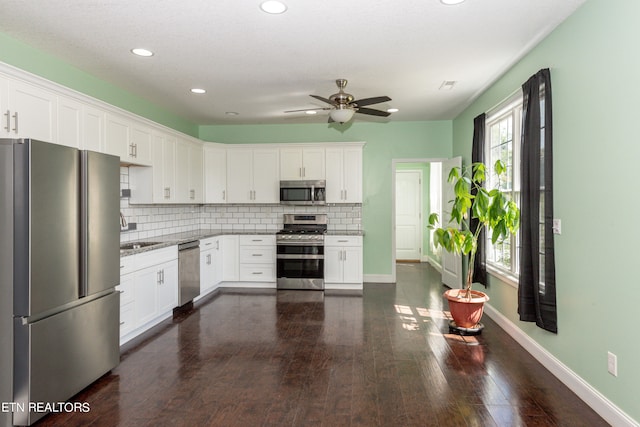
pixel 299 243
pixel 288 256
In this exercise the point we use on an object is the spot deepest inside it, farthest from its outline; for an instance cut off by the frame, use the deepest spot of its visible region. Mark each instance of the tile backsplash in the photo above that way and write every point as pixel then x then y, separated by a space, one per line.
pixel 156 220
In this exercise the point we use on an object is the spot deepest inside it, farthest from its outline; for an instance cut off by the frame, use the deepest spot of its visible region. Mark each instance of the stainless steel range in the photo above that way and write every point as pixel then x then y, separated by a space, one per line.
pixel 300 257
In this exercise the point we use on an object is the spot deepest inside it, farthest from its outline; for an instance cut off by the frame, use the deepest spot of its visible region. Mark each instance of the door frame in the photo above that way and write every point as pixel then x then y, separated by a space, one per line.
pixel 394 163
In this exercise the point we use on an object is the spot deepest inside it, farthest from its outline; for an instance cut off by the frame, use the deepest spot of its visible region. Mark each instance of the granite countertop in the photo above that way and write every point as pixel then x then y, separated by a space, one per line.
pixel 167 240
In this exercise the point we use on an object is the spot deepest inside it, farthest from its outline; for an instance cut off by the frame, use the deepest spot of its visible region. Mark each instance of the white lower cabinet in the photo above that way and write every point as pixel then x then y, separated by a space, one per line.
pixel 258 258
pixel 149 290
pixel 343 262
pixel 210 264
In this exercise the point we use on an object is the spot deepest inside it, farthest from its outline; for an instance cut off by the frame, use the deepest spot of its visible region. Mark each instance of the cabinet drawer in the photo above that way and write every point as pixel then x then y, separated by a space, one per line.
pixel 343 240
pixel 127 318
pixel 155 257
pixel 208 243
pixel 258 240
pixel 257 273
pixel 257 255
pixel 126 292
pixel 127 264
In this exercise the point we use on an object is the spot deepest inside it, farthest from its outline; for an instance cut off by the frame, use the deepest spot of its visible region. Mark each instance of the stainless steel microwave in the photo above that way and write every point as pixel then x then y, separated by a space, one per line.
pixel 303 192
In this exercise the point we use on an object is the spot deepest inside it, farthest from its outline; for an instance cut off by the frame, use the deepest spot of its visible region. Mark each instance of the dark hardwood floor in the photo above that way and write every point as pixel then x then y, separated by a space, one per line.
pixel 384 358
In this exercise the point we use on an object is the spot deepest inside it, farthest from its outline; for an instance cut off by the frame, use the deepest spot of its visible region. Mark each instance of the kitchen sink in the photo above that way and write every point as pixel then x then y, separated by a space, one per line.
pixel 137 245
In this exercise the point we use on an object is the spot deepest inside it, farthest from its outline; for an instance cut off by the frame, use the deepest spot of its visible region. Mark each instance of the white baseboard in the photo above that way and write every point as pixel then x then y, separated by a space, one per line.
pixel 599 403
pixel 378 278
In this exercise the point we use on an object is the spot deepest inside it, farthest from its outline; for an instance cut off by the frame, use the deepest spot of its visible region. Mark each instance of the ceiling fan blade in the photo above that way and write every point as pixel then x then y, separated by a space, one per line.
pixel 309 109
pixel 373 112
pixel 369 101
pixel 328 101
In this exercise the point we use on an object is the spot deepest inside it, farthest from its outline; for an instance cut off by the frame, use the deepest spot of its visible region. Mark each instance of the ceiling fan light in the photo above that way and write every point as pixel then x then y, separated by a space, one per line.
pixel 342 115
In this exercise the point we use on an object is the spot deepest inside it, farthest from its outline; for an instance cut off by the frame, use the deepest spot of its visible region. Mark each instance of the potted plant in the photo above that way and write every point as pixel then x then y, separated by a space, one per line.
pixel 494 212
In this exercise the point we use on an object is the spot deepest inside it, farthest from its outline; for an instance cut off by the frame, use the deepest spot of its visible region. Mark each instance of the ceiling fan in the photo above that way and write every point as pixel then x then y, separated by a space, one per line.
pixel 343 105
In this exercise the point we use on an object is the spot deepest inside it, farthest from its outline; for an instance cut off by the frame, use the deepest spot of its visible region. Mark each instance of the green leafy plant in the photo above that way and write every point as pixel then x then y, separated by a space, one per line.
pixel 493 210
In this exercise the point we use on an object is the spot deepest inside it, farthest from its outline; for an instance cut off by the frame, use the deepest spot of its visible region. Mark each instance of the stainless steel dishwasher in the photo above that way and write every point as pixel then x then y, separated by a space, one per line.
pixel 188 271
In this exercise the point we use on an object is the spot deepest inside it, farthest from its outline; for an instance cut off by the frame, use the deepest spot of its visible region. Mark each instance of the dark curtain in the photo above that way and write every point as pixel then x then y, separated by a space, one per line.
pixel 537 288
pixel 477 155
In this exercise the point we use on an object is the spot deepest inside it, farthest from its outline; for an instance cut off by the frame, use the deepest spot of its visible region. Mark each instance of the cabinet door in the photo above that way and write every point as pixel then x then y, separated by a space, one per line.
pixel 141 142
pixel 333 264
pixel 313 163
pixel 32 111
pixel 70 117
pixel 145 293
pixel 93 129
pixel 230 258
pixel 290 163
pixel 215 175
pixel 266 183
pixel 167 287
pixel 218 262
pixel 239 176
pixel 182 172
pixel 117 137
pixel 352 265
pixel 127 304
pixel 352 175
pixel 206 271
pixel 334 161
pixel 195 173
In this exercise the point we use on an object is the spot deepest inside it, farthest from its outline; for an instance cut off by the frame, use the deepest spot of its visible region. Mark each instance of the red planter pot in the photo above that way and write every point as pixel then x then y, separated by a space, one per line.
pixel 466 312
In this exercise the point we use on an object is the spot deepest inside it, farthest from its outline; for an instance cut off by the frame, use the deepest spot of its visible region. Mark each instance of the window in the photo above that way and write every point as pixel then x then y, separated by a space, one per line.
pixel 503 128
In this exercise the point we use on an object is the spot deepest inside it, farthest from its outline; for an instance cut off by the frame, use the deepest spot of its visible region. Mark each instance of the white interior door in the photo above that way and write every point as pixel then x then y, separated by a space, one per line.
pixel 408 215
pixel 451 263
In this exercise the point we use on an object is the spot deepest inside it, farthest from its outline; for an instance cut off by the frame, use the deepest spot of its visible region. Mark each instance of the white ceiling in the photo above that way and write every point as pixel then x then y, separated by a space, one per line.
pixel 260 65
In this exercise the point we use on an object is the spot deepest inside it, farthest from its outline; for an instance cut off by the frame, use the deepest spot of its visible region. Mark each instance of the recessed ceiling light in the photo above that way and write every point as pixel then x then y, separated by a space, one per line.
pixel 311 112
pixel 141 52
pixel 451 2
pixel 197 90
pixel 392 110
pixel 232 113
pixel 273 7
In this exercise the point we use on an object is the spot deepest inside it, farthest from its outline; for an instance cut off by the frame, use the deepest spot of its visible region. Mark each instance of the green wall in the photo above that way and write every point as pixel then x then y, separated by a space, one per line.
pixel 384 142
pixel 25 57
pixel 594 62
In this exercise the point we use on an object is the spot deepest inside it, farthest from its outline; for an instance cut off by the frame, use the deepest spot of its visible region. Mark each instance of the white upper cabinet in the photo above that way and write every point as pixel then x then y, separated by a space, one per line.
pixel 189 172
pixel 129 140
pixel 70 118
pixel 28 111
pixel 344 169
pixel 298 163
pixel 253 176
pixel 215 174
pixel 93 120
pixel 164 169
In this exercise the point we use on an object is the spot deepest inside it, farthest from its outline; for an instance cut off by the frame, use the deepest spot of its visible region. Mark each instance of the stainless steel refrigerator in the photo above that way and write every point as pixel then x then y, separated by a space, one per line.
pixel 59 265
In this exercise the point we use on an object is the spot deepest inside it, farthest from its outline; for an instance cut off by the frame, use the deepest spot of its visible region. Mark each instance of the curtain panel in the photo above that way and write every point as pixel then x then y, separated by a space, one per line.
pixel 537 287
pixel 478 155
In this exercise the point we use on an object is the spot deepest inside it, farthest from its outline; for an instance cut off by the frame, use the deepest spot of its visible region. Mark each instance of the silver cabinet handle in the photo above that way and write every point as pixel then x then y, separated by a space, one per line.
pixel 343 241
pixel 208 244
pixel 8 116
pixel 167 192
pixel 208 259
pixel 192 194
pixel 135 150
pixel 256 254
pixel 345 255
pixel 158 278
pixel 217 244
pixel 224 194
pixel 121 323
pixel 15 122
pixel 300 172
pixel 256 240
pixel 257 272
pixel 304 172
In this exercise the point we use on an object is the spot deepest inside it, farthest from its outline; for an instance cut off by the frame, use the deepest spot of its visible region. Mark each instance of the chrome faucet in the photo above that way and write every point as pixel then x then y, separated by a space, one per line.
pixel 123 222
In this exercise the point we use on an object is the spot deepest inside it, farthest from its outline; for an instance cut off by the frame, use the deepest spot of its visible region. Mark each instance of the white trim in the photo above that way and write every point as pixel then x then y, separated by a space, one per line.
pixel 380 278
pixel 592 397
pixel 343 286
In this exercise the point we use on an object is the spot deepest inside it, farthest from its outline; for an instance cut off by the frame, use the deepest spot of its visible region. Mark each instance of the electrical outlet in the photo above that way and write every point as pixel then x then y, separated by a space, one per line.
pixel 557 226
pixel 612 364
